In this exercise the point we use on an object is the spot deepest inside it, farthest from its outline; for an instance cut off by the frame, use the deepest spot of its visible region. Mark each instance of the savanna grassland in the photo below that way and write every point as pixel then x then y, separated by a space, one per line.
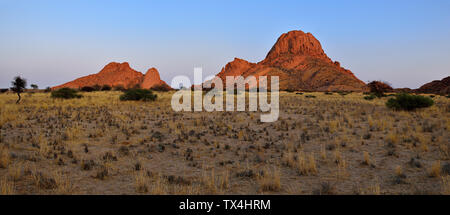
pixel 321 144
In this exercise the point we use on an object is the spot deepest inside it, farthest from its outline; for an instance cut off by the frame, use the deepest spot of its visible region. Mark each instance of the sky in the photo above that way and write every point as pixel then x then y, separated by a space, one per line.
pixel 406 43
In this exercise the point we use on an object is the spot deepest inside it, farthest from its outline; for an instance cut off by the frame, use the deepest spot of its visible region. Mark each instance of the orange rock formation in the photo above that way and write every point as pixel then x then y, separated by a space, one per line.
pixel 301 64
pixel 118 74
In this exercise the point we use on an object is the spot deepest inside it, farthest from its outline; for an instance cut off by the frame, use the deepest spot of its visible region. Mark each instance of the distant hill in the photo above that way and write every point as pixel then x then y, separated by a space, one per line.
pixel 436 87
pixel 119 74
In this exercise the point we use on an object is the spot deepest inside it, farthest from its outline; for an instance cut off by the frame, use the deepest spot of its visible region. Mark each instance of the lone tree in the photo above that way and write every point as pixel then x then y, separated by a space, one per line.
pixel 34 86
pixel 19 84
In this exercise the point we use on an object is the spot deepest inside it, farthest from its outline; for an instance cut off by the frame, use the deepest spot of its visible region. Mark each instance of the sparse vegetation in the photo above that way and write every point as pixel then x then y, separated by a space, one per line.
pixel 325 146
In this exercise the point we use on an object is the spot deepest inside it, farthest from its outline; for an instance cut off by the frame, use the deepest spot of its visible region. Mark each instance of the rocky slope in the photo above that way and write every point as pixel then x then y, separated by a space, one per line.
pixel 118 74
pixel 301 64
pixel 436 87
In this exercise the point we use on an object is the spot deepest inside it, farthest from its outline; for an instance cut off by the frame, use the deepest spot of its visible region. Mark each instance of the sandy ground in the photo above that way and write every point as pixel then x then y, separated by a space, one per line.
pixel 327 144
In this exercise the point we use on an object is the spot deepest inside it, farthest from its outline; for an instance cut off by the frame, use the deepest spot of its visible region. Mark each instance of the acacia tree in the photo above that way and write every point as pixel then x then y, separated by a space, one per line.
pixel 18 86
pixel 34 86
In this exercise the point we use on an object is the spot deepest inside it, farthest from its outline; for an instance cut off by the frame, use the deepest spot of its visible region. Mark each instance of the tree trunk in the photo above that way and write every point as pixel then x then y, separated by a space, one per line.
pixel 18 100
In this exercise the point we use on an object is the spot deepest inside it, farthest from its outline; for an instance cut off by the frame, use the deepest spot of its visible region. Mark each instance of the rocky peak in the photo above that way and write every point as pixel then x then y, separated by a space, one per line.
pixel 151 79
pixel 119 74
pixel 301 64
pixel 236 67
pixel 296 43
pixel 114 67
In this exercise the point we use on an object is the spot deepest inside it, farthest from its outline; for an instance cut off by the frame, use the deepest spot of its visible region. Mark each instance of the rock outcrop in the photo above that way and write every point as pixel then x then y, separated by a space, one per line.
pixel 118 74
pixel 152 80
pixel 441 87
pixel 301 64
pixel 379 87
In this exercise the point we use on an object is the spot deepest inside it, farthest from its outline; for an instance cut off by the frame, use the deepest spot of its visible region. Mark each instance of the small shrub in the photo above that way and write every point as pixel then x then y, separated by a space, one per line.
pixel 343 93
pixel 47 90
pixel 138 95
pixel 409 102
pixel 97 87
pixel 325 188
pixel 370 97
pixel 119 88
pixel 290 90
pixel 65 93
pixel 161 88
pixel 87 89
pixel 106 88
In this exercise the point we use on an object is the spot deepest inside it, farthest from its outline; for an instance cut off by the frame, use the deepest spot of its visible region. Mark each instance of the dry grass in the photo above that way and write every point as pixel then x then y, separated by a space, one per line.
pixel 322 138
pixel 15 171
pixel 6 187
pixel 366 160
pixel 435 170
pixel 446 185
pixel 398 171
pixel 4 157
pixel 141 182
pixel 270 181
pixel 63 183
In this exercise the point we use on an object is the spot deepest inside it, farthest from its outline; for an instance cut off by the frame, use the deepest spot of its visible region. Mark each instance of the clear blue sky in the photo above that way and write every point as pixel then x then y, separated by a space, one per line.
pixel 406 43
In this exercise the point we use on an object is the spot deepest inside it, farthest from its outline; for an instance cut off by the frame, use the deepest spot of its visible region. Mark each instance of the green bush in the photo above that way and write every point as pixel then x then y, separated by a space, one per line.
pixel 106 88
pixel 87 89
pixel 119 88
pixel 163 88
pixel 97 87
pixel 290 90
pixel 65 93
pixel 138 95
pixel 409 102
pixel 370 97
pixel 343 93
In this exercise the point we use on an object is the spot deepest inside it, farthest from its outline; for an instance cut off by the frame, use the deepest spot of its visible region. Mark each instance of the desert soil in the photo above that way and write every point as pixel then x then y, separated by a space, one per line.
pixel 327 144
